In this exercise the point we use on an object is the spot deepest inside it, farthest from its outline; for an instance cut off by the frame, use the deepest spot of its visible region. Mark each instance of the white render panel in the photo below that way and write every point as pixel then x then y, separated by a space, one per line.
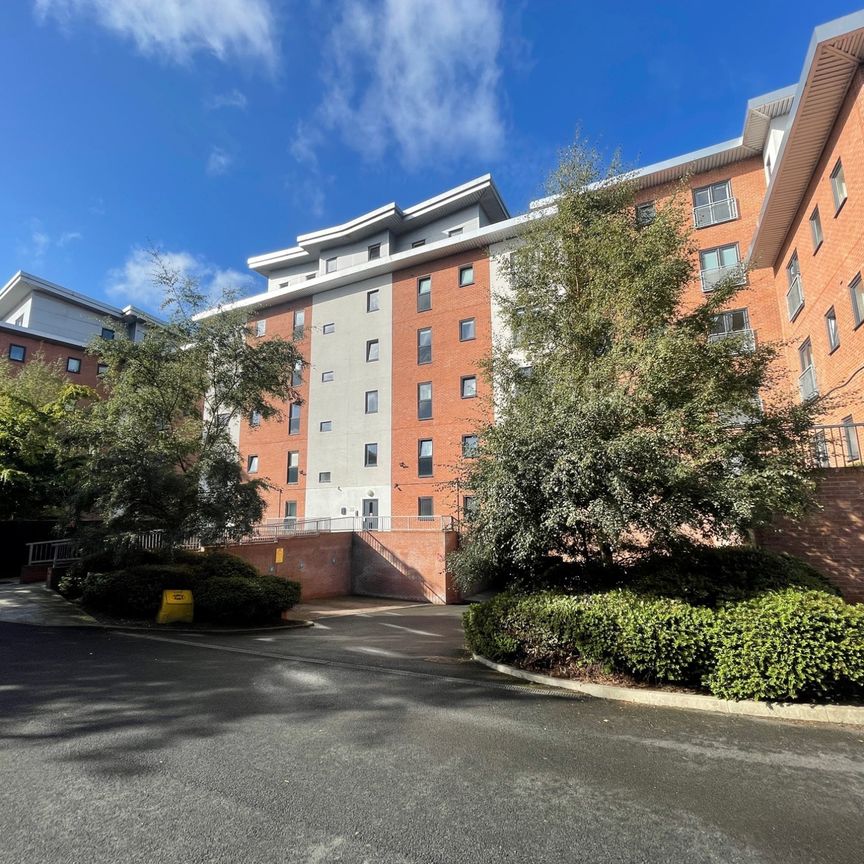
pixel 66 320
pixel 22 310
pixel 468 219
pixel 342 400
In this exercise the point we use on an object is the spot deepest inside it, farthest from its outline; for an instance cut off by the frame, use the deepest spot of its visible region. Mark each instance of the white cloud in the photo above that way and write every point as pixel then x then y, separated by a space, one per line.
pixel 420 76
pixel 218 162
pixel 232 99
pixel 177 29
pixel 40 242
pixel 133 281
pixel 67 237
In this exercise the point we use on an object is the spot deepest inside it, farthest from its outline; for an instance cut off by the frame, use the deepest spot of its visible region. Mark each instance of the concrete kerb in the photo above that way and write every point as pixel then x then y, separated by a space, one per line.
pixel 849 715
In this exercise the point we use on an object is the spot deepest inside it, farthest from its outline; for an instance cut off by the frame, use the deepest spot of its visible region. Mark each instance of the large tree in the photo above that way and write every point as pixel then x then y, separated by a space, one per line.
pixel 165 459
pixel 635 428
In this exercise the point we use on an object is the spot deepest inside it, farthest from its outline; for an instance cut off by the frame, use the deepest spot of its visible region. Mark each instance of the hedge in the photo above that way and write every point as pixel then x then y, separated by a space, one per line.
pixel 233 599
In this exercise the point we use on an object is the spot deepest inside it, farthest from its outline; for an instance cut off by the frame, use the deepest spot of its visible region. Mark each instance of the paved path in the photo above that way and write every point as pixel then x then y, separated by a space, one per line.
pixel 369 739
pixel 35 604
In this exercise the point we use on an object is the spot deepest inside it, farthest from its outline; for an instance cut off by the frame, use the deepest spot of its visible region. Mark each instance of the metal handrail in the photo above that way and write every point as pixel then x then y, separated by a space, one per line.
pixel 715 212
pixel 838 445
pixel 713 276
pixel 747 338
pixel 53 552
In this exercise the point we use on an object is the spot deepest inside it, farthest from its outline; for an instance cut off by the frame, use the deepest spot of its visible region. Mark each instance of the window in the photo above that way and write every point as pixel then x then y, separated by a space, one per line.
pixel 290 512
pixel 469 446
pixel 838 186
pixel 294 467
pixel 374 251
pixel 371 350
pixel 17 353
pixel 454 232
pixel 323 476
pixel 719 264
pixel 850 439
pixel 107 333
pixel 713 204
pixel 734 323
pixel 370 455
pixel 299 323
pixel 807 378
pixel 310 276
pixel 222 420
pixel 327 376
pixel 856 292
pixel 294 419
pixel 425 507
pixel 525 371
pixel 424 346
pixel 255 418
pixel 831 327
pixel 816 229
pixel 418 243
pixel 371 401
pixel 73 364
pixel 424 458
pixel 329 328
pixel 101 369
pixel 469 386
pixel 469 506
pixel 19 321
pixel 260 327
pixel 251 464
pixel 466 330
pixel 646 213
pixel 330 265
pixel 424 400
pixel 372 301
pixel 297 374
pixel 424 293
pixel 325 426
pixel 795 292
pixel 466 275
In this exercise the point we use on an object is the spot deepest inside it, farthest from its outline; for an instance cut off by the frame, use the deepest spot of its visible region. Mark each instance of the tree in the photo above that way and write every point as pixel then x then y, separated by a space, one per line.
pixel 42 443
pixel 635 428
pixel 165 458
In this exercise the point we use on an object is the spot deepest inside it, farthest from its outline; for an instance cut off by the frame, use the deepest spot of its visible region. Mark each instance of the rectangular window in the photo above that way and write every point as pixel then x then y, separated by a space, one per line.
pixel 831 327
pixel 719 264
pixel 856 293
pixel 525 371
pixel 290 512
pixel 372 301
pixel 807 378
pixel 294 466
pixel 454 232
pixel 424 458
pixel 222 420
pixel 418 243
pixel 424 293
pixel 255 418
pixel 17 353
pixel 101 369
pixel 323 476
pixel 330 265
pixel 713 204
pixel 424 400
pixel 370 455
pixel 816 229
pixel 252 465
pixel 466 330
pixel 329 328
pixel 19 321
pixel 469 386
pixel 294 419
pixel 299 324
pixel 734 323
pixel 297 374
pixel 469 506
pixel 374 251
pixel 424 346
pixel 371 401
pixel 310 276
pixel 325 426
pixel 73 364
pixel 260 327
pixel 425 507
pixel 466 275
pixel 645 213
pixel 327 376
pixel 838 186
pixel 795 291
pixel 469 446
pixel 107 333
pixel 850 439
pixel 371 350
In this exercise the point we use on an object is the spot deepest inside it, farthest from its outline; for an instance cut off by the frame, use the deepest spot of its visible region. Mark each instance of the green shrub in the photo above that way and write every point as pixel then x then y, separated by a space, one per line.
pixel 788 645
pixel 135 592
pixel 237 600
pixel 221 565
pixel 578 577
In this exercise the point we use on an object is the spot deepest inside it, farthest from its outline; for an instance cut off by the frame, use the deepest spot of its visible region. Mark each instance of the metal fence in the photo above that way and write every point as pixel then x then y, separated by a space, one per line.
pixel 838 446
pixel 50 553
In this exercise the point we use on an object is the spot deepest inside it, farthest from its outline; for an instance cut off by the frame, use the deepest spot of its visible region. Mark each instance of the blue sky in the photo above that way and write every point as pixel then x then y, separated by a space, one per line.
pixel 220 129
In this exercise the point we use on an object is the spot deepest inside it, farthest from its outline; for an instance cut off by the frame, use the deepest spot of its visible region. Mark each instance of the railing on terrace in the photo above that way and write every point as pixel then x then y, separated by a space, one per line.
pixel 712 277
pixel 52 552
pixel 711 214
pixel 838 446
pixel 746 337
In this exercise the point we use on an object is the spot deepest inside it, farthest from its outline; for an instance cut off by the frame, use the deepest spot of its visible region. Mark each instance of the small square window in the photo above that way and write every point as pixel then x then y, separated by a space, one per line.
pixel 19 321
pixel 17 353
pixel 261 327
pixel 838 186
pixel 107 333
pixel 310 276
pixel 294 466
pixel 418 243
pixel 323 476
pixel 327 376
pixel 222 420
pixel 329 328
pixel 469 386
pixel 454 232
pixel 424 346
pixel 330 265
pixel 645 213
pixel 425 507
pixel 525 371
pixel 101 369
pixel 294 419
pixel 816 229
pixel 372 351
pixel 371 401
pixel 372 301
pixel 466 330
pixel 255 419
pixel 290 511
pixel 252 465
pixel 856 293
pixel 466 275
pixel 370 455
pixel 73 364
pixel 469 446
pixel 374 251
pixel 424 401
pixel 424 293
pixel 831 327
pixel 424 458
pixel 325 426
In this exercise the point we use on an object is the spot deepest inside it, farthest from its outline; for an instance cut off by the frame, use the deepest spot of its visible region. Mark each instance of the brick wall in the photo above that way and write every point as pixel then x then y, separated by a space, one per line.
pixel 51 352
pixel 832 537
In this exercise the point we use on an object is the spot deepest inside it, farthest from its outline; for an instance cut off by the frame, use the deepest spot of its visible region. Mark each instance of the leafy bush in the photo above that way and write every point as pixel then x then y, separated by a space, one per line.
pixel 233 599
pixel 135 592
pixel 788 645
pixel 221 565
pixel 578 577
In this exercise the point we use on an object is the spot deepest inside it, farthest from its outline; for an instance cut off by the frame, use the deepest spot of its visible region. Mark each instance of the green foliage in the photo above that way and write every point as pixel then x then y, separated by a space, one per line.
pixel 135 592
pixel 235 600
pixel 633 423
pixel 223 566
pixel 789 645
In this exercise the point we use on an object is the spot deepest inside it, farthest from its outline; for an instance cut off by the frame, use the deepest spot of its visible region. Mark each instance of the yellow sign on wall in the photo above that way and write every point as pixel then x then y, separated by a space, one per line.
pixel 176 606
pixel 280 555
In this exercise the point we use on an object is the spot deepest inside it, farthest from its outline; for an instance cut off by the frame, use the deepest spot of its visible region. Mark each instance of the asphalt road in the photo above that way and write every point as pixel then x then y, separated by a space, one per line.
pixel 373 741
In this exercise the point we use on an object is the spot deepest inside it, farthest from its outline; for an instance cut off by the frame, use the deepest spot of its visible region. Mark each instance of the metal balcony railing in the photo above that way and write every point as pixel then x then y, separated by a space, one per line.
pixel 807 383
pixel 747 338
pixel 712 277
pixel 715 213
pixel 838 446
pixel 52 552
pixel 794 297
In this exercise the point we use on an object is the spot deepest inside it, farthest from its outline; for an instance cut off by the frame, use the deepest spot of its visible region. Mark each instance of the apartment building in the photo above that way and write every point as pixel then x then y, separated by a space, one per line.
pixel 39 317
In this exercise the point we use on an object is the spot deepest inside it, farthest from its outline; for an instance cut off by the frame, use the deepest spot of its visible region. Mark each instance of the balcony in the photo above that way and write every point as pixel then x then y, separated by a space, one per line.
pixel 794 297
pixel 747 338
pixel 807 383
pixel 837 446
pixel 713 277
pixel 715 213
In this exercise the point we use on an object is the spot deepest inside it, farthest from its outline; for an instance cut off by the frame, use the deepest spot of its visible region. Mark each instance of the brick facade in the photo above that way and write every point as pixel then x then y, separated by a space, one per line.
pixel 52 351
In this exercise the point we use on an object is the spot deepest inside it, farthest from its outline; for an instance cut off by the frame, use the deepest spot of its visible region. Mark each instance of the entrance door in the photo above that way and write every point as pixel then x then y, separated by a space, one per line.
pixel 370 514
